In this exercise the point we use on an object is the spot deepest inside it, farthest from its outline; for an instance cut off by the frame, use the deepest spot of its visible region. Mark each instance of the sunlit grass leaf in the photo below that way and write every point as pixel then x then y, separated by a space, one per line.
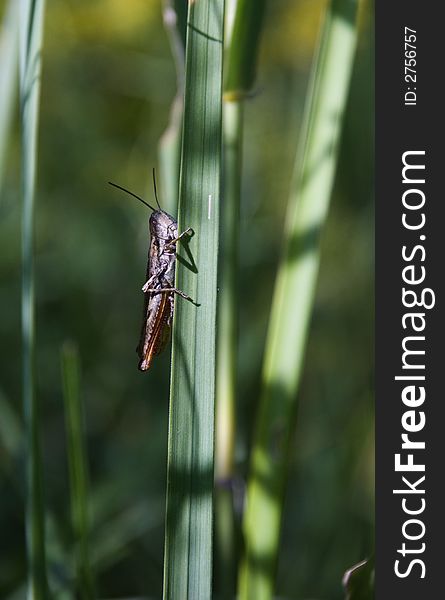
pixel 243 49
pixel 293 298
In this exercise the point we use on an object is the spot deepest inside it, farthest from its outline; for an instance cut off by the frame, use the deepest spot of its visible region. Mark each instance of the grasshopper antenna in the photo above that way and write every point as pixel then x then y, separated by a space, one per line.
pixel 119 187
pixel 156 191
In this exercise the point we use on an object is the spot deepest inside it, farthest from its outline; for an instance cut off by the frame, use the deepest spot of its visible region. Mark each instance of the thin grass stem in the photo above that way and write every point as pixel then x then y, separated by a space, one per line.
pixel 78 469
pixel 174 16
pixel 31 30
pixel 8 77
pixel 227 347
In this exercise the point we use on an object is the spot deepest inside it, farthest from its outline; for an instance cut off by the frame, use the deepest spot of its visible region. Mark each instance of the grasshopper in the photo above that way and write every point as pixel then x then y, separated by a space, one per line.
pixel 159 288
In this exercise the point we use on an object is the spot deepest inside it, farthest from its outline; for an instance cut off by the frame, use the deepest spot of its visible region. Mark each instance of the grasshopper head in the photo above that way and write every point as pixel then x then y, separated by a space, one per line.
pixel 162 225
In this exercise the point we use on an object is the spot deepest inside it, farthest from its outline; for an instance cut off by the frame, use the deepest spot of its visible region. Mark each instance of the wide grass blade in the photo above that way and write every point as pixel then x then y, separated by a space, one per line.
pixel 8 77
pixel 78 468
pixel 293 299
pixel 188 540
pixel 31 30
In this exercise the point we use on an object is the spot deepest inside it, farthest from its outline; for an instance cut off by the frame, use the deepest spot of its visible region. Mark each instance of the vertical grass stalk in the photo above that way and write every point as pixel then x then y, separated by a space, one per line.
pixel 227 347
pixel 78 469
pixel 293 299
pixel 31 30
pixel 8 77
pixel 243 47
pixel 243 22
pixel 174 14
pixel 188 537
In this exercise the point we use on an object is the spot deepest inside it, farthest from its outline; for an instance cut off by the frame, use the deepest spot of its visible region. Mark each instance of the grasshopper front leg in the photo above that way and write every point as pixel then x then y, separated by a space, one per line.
pixel 189 231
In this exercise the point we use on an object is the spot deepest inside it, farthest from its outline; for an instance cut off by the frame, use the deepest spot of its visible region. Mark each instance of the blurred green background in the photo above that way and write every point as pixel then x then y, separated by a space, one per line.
pixel 107 87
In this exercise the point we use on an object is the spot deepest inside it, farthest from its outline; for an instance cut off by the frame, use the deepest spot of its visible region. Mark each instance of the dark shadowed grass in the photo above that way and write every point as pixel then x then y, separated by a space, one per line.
pixel 78 469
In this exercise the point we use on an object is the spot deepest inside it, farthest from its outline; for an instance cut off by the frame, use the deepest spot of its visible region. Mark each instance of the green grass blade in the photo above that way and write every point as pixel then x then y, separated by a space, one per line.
pixel 31 31
pixel 174 16
pixel 188 539
pixel 8 77
pixel 78 468
pixel 293 299
pixel 243 27
pixel 242 41
pixel 243 49
pixel 227 348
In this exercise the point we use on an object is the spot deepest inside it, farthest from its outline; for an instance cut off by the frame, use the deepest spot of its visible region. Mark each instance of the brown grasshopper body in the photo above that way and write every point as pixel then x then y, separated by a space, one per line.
pixel 159 287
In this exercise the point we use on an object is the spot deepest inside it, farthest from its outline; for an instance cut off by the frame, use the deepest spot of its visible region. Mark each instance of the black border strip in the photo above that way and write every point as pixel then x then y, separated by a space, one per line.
pixel 403 128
